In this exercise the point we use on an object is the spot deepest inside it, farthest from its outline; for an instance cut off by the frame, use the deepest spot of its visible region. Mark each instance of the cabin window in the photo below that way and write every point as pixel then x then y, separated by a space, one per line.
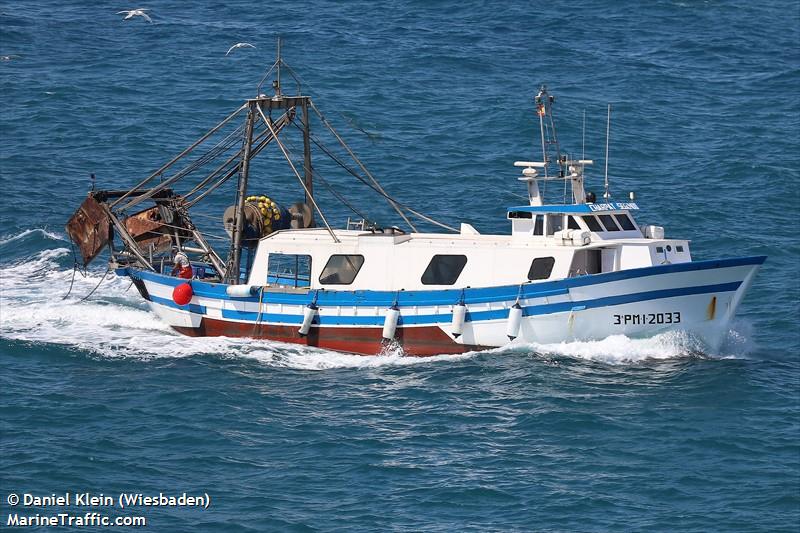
pixel 592 223
pixel 444 269
pixel 679 248
pixel 289 270
pixel 538 226
pixel 608 222
pixel 625 222
pixel 520 214
pixel 541 268
pixel 341 269
pixel 572 223
pixel 554 223
pixel 659 249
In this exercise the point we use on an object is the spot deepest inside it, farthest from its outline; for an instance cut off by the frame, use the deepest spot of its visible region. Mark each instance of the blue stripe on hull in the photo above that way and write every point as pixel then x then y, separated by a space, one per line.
pixel 443 297
pixel 476 316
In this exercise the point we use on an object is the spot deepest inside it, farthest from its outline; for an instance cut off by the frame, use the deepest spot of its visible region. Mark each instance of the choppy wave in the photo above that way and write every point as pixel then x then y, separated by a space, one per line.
pixel 41 232
pixel 115 322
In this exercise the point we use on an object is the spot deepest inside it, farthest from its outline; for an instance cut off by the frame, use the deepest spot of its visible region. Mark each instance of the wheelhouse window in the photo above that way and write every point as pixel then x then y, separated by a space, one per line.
pixel 520 214
pixel 541 268
pixel 554 223
pixel 341 269
pixel 625 222
pixel 572 223
pixel 444 269
pixel 592 223
pixel 538 226
pixel 608 222
pixel 289 270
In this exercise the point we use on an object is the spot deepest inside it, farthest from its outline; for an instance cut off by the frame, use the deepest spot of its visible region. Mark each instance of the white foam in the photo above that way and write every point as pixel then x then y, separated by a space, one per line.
pixel 115 322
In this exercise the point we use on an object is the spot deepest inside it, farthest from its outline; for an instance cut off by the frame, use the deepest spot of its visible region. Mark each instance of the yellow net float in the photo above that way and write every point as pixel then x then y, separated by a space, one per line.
pixel 274 216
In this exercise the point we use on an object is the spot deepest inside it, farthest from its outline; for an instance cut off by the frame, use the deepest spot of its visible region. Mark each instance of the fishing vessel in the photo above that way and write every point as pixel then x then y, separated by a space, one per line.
pixel 584 269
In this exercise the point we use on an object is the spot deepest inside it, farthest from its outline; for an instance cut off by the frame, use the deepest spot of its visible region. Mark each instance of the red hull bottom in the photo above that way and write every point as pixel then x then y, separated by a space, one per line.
pixel 417 341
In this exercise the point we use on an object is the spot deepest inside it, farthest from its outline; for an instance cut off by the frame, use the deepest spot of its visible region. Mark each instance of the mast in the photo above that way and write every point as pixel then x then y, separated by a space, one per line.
pixel 606 194
pixel 308 173
pixel 232 274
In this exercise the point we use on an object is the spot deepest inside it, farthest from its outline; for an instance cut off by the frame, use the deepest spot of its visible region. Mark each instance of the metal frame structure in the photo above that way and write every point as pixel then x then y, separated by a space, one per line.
pixel 224 151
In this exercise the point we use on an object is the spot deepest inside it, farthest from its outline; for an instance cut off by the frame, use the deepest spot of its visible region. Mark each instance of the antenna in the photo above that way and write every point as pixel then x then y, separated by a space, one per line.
pixel 583 137
pixel 278 65
pixel 606 195
pixel 541 110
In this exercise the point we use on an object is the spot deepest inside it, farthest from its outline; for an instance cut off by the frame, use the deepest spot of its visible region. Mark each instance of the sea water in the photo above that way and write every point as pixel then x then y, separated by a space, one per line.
pixel 100 397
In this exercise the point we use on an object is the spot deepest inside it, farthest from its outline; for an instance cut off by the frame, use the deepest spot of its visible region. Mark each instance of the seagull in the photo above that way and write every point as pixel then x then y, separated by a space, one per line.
pixel 136 13
pixel 238 45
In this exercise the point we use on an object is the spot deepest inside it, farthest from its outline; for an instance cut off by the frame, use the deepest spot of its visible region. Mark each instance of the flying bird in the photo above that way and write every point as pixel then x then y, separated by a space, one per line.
pixel 136 13
pixel 238 45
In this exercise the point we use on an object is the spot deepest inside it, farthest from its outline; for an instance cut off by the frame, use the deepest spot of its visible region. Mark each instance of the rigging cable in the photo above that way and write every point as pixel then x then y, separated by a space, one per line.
pixel 360 164
pixel 212 154
pixel 179 156
pixel 289 160
pixel 330 187
pixel 381 192
pixel 279 125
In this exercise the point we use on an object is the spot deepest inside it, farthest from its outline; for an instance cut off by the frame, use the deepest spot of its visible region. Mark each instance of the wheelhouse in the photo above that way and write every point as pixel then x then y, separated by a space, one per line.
pixel 601 221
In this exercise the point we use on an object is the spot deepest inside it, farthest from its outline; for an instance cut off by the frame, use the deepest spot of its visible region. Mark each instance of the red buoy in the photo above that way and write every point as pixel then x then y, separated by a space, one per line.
pixel 182 294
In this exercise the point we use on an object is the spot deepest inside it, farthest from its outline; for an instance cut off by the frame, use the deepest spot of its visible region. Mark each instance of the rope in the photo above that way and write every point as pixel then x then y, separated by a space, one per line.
pixel 74 268
pixel 72 281
pixel 260 307
pixel 97 286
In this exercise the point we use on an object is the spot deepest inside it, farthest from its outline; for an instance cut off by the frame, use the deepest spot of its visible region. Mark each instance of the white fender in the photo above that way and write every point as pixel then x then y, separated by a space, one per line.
pixel 309 313
pixel 514 321
pixel 390 323
pixel 240 291
pixel 459 315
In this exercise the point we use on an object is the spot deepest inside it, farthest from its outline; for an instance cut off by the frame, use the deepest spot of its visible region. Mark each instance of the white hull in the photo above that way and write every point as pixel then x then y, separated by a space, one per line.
pixel 635 303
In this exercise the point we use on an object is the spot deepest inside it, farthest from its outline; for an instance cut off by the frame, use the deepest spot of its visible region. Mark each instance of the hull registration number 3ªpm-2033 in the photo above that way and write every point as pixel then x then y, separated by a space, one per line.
pixel 648 318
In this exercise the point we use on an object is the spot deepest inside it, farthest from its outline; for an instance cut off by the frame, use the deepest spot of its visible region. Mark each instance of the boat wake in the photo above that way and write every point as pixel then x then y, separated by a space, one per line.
pixel 620 349
pixel 114 322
